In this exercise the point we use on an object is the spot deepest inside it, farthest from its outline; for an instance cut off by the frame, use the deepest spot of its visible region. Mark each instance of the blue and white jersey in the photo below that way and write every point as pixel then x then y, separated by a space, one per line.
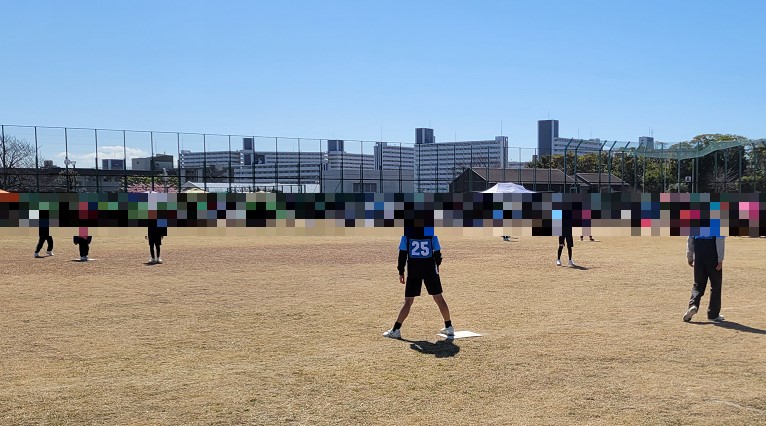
pixel 420 248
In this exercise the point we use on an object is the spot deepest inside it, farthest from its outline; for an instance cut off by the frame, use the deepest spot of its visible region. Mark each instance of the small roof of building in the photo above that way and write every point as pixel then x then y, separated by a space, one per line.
pixel 605 178
pixel 524 175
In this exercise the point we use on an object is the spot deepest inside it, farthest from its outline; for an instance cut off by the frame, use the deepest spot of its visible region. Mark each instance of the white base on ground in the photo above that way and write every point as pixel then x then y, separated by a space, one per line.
pixel 89 259
pixel 460 334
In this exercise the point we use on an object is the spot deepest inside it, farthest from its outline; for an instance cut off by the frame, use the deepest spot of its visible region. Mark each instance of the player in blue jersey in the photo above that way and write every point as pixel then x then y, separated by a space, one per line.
pixel 420 251
pixel 705 255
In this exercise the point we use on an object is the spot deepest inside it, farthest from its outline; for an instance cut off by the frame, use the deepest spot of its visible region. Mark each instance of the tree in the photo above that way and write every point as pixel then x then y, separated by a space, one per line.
pixel 15 156
pixel 711 179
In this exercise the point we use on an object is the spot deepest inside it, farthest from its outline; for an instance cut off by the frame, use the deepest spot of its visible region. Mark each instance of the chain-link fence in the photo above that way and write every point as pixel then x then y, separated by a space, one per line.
pixel 57 159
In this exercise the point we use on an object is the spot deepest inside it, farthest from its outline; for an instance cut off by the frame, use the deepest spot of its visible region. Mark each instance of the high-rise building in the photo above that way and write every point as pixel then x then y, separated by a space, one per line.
pixel 547 132
pixel 279 167
pixel 437 164
pixel 423 135
pixel 334 145
pixel 394 156
pixel 645 142
pixel 221 159
pixel 549 142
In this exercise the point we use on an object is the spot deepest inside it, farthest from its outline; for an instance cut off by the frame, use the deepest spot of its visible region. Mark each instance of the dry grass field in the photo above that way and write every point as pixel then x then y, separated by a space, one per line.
pixel 287 330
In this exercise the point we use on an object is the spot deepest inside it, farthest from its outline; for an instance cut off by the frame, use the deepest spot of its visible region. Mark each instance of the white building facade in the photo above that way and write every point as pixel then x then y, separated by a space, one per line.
pixel 437 164
pixel 394 157
pixel 221 159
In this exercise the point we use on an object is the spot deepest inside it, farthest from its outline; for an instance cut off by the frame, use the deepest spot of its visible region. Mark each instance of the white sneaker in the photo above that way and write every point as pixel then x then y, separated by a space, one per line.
pixel 50 253
pixel 152 260
pixel 572 264
pixel 719 318
pixel 394 334
pixel 558 262
pixel 37 255
pixel 449 331
pixel 159 261
pixel 690 313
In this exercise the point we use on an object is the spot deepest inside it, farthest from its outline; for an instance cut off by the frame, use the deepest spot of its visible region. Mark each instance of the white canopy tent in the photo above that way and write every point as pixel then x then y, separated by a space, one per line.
pixel 507 187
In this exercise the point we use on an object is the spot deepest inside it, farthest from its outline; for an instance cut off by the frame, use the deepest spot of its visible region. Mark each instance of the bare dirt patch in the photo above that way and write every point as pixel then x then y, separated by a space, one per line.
pixel 287 330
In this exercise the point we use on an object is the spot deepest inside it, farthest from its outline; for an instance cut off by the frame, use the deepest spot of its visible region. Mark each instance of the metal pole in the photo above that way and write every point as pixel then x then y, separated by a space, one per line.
pixel 400 167
pixel 577 185
pixel 361 166
pixel 252 163
pixel 300 184
pixel 124 161
pixel 98 177
pixel 643 175
pixel 739 181
pixel 204 161
pixel 276 163
pixel 66 157
pixel 609 178
pixel 622 178
pixel 487 182
pixel 566 149
pixel 726 170
pixel 178 148
pixel 635 170
pixel 231 172
pixel 151 160
pixel 37 161
pixel 2 137
pixel 715 170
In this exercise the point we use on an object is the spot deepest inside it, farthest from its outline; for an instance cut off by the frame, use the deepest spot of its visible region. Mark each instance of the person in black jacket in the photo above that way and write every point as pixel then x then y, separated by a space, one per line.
pixel 45 236
pixel 420 251
pixel 155 234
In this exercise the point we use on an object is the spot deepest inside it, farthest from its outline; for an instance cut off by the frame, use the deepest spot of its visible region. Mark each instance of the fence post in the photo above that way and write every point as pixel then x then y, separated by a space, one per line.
pixel 98 176
pixel 124 161
pixel 151 159
pixel 178 148
pixel 37 162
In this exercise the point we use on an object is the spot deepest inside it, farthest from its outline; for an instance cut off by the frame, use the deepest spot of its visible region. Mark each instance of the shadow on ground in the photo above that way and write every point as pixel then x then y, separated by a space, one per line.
pixel 440 349
pixel 731 325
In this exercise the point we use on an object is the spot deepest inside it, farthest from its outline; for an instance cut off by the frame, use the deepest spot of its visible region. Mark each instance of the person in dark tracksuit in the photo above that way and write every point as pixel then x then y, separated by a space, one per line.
pixel 566 237
pixel 155 234
pixel 705 255
pixel 45 236
pixel 420 251
pixel 569 243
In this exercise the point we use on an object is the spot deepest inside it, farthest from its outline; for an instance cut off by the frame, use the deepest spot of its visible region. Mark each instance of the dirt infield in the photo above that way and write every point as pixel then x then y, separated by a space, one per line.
pixel 287 330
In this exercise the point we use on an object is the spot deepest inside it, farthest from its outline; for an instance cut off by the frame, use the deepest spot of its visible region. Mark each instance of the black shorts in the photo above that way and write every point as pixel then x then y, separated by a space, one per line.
pixel 569 241
pixel 415 280
pixel 156 241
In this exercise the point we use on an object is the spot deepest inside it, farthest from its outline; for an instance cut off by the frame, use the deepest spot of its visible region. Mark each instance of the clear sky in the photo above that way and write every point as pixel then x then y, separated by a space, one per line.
pixel 610 69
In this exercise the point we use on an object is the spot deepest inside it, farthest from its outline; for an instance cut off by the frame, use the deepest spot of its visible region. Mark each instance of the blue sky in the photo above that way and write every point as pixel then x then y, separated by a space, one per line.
pixel 356 69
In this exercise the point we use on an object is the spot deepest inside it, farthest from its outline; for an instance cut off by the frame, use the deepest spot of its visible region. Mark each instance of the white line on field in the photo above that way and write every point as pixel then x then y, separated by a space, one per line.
pixel 741 307
pixel 741 407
